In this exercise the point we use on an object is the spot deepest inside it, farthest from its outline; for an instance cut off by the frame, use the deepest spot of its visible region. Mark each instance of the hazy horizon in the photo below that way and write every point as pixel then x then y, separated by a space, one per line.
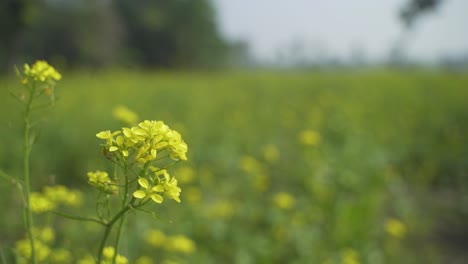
pixel 340 28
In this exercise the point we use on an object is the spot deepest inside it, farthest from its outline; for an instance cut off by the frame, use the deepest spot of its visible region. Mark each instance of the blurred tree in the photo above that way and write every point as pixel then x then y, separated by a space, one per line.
pixel 10 23
pixel 159 33
pixel 414 8
pixel 178 33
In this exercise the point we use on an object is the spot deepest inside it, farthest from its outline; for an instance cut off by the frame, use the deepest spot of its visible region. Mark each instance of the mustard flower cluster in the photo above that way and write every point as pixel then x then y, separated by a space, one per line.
pixel 108 254
pixel 44 238
pixel 41 71
pixel 101 180
pixel 145 141
pixel 176 243
pixel 160 184
pixel 53 196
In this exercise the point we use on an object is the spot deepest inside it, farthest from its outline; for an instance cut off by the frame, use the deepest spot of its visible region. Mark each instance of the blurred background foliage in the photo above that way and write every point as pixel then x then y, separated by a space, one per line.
pixel 357 165
pixel 298 167
pixel 102 33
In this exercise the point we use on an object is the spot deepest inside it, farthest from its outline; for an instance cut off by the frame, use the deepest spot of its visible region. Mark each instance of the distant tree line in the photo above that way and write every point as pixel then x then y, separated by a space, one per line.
pixel 151 33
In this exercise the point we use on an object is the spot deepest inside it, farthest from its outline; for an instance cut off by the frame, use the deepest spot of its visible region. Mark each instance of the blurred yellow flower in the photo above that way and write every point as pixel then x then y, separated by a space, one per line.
pixel 184 174
pixel 41 71
pixel 88 259
pixel 45 234
pixel 101 180
pixel 193 195
pixel 60 256
pixel 395 228
pixel 155 238
pixel 271 153
pixel 222 209
pixel 109 252
pixel 350 256
pixel 250 165
pixel 284 200
pixel 309 137
pixel 23 248
pixel 40 203
pixel 61 194
pixel 144 260
pixel 125 115
pixel 180 243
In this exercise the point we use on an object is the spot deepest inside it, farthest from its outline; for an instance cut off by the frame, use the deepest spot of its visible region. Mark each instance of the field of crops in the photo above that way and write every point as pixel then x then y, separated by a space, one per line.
pixel 283 167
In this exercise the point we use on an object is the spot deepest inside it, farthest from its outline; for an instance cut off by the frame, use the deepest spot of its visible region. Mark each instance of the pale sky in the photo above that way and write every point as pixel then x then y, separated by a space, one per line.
pixel 336 27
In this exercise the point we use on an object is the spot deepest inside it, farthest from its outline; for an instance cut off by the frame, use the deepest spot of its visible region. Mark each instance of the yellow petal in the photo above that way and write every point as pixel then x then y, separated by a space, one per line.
pixel 143 183
pixel 156 198
pixel 113 148
pixel 139 194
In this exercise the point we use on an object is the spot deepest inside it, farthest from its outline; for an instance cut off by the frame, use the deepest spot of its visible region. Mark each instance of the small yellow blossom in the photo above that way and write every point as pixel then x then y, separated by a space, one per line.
pixel 185 174
pixel 101 180
pixel 181 244
pixel 193 195
pixel 60 256
pixel 309 137
pixel 271 153
pixel 164 184
pixel 39 203
pixel 155 238
pixel 149 191
pixel 45 234
pixel 250 165
pixel 350 256
pixel 23 248
pixel 41 71
pixel 284 200
pixel 88 259
pixel 109 252
pixel 222 209
pixel 395 228
pixel 61 194
pixel 127 116
pixel 144 260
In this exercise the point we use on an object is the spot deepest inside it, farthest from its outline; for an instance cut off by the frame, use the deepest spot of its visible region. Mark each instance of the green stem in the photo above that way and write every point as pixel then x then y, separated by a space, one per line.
pixel 79 218
pixel 27 183
pixel 109 228
pixel 124 201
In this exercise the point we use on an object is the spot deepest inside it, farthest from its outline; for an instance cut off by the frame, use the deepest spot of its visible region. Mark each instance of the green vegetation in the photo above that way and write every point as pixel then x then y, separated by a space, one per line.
pixel 292 167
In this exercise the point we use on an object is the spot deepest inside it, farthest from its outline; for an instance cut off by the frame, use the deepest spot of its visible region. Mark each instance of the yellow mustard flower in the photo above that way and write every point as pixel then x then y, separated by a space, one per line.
pixel 222 209
pixel 88 259
pixel 181 244
pixel 185 174
pixel 350 256
pixel 395 228
pixel 149 191
pixel 41 71
pixel 39 203
pixel 155 238
pixel 145 141
pixel 62 195
pixel 60 256
pixel 45 234
pixel 109 252
pixel 271 153
pixel 101 180
pixel 23 248
pixel 284 200
pixel 125 115
pixel 144 260
pixel 309 137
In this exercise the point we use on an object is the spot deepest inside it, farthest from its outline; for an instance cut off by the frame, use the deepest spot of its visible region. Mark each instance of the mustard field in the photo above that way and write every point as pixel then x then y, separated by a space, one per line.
pixel 342 167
